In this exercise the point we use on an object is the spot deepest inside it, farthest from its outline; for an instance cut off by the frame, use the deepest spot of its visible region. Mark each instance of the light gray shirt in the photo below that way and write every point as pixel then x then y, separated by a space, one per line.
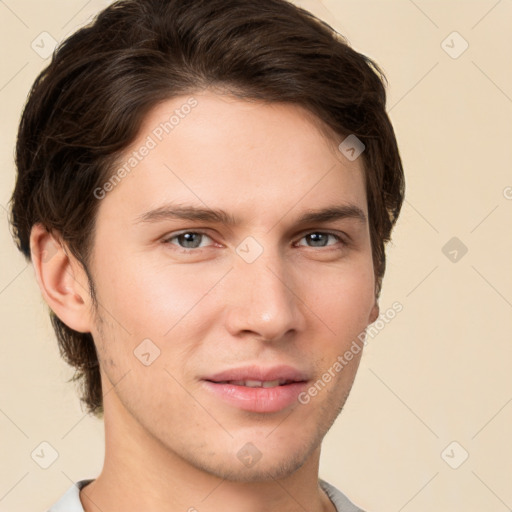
pixel 70 501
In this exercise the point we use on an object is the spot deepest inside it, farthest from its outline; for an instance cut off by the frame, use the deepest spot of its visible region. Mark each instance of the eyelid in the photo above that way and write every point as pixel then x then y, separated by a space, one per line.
pixel 341 238
pixel 175 234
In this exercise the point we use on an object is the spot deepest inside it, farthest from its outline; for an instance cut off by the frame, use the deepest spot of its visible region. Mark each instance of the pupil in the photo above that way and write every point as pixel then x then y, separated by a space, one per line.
pixel 189 240
pixel 317 237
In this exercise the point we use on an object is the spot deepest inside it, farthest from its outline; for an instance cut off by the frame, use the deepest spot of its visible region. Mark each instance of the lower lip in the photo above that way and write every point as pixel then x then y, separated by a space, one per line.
pixel 257 399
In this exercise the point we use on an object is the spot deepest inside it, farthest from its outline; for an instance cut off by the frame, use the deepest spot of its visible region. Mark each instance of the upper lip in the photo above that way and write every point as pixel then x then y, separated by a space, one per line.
pixel 259 373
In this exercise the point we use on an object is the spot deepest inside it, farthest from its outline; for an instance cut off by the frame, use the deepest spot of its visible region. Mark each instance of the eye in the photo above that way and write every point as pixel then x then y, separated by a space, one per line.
pixel 188 239
pixel 320 238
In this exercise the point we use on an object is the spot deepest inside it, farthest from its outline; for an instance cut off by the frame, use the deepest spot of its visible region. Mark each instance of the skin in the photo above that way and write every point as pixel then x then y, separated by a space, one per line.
pixel 207 309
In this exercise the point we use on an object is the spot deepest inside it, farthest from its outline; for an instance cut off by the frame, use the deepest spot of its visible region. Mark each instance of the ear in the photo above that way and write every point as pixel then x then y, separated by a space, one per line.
pixel 62 280
pixel 374 313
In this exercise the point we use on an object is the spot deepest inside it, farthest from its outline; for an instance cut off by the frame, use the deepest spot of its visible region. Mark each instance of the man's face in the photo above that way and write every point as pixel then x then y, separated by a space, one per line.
pixel 205 297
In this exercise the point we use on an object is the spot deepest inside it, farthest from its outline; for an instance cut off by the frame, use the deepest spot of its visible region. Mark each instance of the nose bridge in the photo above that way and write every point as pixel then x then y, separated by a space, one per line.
pixel 264 302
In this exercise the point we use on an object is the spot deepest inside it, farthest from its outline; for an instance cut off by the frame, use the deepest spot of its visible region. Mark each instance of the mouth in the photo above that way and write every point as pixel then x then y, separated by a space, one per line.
pixel 257 389
pixel 256 376
pixel 256 383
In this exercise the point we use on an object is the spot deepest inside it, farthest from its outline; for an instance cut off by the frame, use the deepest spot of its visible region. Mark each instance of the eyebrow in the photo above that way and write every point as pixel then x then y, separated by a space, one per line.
pixel 219 216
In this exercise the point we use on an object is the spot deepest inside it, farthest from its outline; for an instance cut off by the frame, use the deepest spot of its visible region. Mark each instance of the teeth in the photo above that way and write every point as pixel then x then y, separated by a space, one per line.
pixel 251 383
pixel 271 383
pixel 258 383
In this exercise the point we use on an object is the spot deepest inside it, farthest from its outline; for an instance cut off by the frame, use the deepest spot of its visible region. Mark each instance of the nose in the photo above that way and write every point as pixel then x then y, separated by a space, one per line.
pixel 263 299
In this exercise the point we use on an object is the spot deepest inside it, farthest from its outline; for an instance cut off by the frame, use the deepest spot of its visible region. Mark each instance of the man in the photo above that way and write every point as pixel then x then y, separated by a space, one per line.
pixel 205 189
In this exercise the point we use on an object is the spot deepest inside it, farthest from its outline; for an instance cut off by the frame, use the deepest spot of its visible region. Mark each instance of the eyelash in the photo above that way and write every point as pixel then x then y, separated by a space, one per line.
pixel 197 249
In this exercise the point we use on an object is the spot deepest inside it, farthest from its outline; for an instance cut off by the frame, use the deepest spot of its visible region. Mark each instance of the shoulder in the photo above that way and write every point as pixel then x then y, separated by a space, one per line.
pixel 70 500
pixel 340 501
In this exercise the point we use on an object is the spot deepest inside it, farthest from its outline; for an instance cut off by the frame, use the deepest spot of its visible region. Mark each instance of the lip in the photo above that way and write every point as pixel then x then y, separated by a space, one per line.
pixel 262 400
pixel 254 372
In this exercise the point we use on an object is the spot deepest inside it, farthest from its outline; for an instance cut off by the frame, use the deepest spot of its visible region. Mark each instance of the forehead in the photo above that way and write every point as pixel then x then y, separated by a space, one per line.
pixel 220 151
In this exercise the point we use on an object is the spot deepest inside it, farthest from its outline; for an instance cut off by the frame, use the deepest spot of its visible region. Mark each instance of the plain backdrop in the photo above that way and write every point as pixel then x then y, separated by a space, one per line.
pixel 427 426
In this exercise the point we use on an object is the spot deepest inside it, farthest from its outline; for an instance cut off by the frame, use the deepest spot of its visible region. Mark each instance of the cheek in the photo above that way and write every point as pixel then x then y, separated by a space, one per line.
pixel 149 297
pixel 342 297
pixel 341 304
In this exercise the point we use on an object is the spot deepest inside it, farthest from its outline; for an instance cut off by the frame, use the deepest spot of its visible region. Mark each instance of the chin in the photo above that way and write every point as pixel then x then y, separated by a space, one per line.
pixel 273 462
pixel 261 472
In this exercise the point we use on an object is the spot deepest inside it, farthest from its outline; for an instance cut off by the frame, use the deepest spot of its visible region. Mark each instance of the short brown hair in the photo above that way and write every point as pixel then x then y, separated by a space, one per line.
pixel 87 106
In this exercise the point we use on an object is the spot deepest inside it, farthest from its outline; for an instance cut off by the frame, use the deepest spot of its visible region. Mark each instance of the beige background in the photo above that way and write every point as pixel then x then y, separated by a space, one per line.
pixel 438 373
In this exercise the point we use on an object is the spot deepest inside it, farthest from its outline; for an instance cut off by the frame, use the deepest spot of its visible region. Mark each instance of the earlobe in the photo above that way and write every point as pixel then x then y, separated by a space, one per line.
pixel 374 314
pixel 61 280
